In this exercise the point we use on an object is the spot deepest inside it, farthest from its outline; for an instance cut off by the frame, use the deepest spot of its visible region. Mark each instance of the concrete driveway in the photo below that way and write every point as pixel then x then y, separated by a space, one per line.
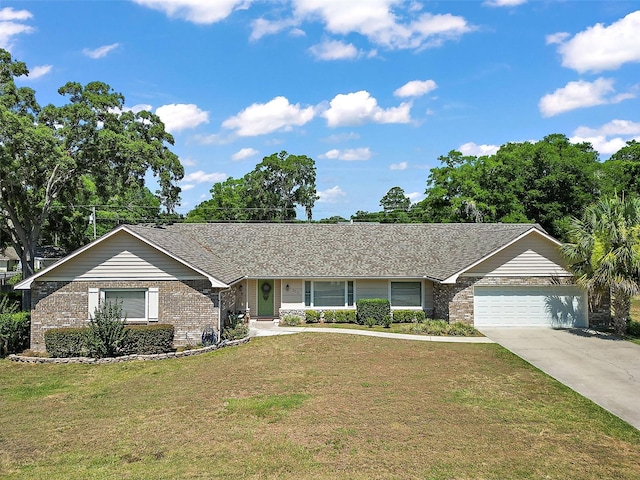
pixel 598 366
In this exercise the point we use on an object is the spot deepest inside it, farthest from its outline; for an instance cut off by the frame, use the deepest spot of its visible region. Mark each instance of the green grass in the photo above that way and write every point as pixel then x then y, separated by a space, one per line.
pixel 308 406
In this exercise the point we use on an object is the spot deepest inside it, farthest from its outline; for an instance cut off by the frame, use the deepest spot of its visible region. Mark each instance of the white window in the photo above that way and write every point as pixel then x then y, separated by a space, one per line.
pixel 138 304
pixel 328 294
pixel 406 294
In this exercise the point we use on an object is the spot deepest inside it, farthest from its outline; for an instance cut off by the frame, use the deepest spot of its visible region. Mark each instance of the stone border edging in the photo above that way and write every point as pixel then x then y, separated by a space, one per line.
pixel 128 358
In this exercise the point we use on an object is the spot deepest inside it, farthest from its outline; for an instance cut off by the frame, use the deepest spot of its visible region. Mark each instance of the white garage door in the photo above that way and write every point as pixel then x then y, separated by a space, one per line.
pixel 551 306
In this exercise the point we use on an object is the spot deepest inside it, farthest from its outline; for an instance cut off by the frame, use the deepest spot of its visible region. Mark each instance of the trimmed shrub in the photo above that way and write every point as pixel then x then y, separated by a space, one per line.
pixel 375 308
pixel 441 327
pixel 66 342
pixel 345 316
pixel 291 320
pixel 107 335
pixel 312 316
pixel 408 316
pixel 149 339
pixel 15 329
pixel 329 316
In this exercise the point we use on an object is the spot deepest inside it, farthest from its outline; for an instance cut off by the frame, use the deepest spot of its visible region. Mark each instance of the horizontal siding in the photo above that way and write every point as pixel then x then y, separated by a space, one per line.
pixel 372 289
pixel 294 298
pixel 530 256
pixel 121 257
pixel 427 296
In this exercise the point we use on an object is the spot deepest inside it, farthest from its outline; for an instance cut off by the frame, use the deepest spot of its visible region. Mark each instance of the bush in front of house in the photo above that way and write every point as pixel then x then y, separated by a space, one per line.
pixel 149 339
pixel 291 320
pixel 66 342
pixel 240 331
pixel 408 316
pixel 345 316
pixel 442 327
pixel 15 329
pixel 375 308
pixel 107 335
pixel 236 328
pixel 312 316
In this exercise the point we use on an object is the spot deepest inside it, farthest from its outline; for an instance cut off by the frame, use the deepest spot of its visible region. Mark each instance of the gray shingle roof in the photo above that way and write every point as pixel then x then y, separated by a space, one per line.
pixel 359 250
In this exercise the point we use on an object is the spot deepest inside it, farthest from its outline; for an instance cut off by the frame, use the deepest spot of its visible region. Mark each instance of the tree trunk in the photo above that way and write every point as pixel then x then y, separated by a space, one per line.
pixel 620 307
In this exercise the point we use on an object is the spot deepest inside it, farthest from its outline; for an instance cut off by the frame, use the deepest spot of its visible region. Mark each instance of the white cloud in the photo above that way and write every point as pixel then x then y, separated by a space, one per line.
pixel 100 51
pixel 399 166
pixel 244 153
pixel 334 50
pixel 360 107
pixel 39 71
pixel 8 14
pixel 263 118
pixel 196 11
pixel 180 116
pixel 262 27
pixel 555 38
pixel 416 88
pixel 614 127
pixel 620 132
pixel 349 154
pixel 503 3
pixel 187 187
pixel 11 24
pixel 202 177
pixel 415 196
pixel 188 162
pixel 601 144
pixel 580 94
pixel 601 48
pixel 139 107
pixel 476 150
pixel 379 21
pixel 331 195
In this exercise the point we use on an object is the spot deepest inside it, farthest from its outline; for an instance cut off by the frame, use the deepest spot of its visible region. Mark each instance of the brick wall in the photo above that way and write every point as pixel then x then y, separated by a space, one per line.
pixel 188 305
pixel 454 302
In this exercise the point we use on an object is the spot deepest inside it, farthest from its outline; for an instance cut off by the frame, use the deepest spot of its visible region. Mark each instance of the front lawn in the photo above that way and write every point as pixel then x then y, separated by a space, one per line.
pixel 308 406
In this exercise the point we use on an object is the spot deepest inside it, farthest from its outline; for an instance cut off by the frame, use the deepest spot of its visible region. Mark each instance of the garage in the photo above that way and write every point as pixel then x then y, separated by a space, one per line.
pixel 529 306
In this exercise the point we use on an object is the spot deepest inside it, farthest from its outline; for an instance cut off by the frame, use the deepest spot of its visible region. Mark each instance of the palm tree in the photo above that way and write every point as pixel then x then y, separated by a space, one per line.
pixel 604 253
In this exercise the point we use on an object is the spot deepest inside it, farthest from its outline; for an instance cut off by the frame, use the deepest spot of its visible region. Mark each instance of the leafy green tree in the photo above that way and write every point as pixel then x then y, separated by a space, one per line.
pixel 47 153
pixel 363 216
pixel 270 192
pixel 604 253
pixel 621 173
pixel 334 219
pixel 395 201
pixel 228 203
pixel 544 182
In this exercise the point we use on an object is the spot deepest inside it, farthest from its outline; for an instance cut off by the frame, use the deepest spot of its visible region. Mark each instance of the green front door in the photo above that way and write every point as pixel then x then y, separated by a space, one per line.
pixel 265 298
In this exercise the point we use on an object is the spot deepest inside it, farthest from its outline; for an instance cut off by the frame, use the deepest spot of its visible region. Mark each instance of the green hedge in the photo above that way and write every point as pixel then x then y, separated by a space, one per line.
pixel 66 342
pixel 149 339
pixel 15 330
pixel 408 316
pixel 312 316
pixel 376 308
pixel 141 340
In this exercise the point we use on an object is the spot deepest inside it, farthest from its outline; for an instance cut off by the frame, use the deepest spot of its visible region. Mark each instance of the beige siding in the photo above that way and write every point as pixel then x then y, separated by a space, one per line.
pixel 121 257
pixel 252 296
pixel 427 295
pixel 530 256
pixel 372 289
pixel 277 289
pixel 294 298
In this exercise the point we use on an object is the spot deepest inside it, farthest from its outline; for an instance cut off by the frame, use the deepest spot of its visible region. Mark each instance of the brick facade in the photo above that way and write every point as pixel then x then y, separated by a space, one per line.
pixel 454 302
pixel 188 305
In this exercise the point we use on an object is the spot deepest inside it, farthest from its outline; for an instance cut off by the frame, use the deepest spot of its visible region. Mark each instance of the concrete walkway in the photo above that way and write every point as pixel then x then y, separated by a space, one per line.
pixel 599 366
pixel 264 329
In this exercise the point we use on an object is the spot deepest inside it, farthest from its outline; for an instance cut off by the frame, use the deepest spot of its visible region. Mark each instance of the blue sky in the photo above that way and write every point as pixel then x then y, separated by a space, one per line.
pixel 373 90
